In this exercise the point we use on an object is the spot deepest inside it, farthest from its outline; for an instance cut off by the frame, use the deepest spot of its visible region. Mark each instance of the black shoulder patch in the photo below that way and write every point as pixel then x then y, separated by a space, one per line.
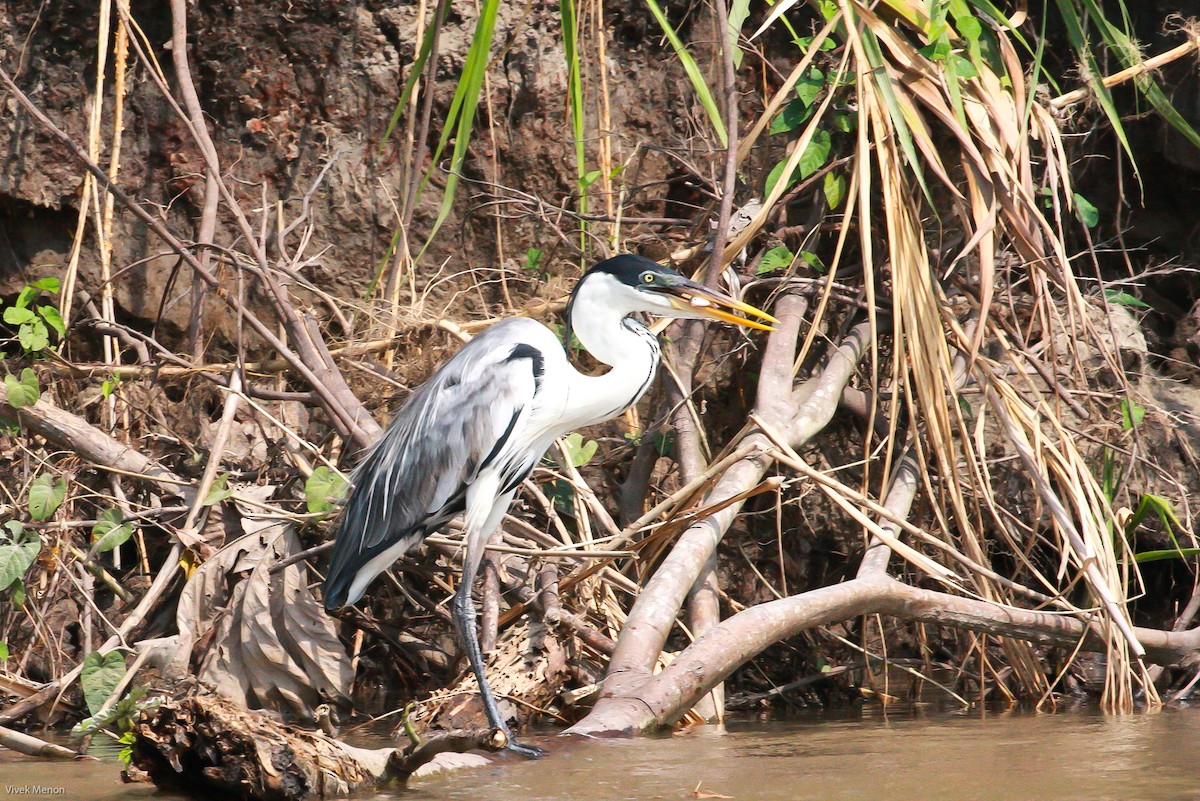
pixel 527 351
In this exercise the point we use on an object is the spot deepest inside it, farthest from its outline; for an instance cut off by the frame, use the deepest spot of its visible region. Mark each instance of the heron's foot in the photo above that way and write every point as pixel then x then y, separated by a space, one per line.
pixel 524 749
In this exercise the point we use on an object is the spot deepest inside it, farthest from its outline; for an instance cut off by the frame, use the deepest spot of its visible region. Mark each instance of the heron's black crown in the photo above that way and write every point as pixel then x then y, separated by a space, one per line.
pixel 630 270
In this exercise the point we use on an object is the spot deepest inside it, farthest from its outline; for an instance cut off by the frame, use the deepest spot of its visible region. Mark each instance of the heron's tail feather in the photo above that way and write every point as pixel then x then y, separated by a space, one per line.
pixel 355 565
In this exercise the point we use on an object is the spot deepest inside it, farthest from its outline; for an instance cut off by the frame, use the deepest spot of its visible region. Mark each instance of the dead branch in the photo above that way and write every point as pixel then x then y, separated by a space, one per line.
pixel 32 746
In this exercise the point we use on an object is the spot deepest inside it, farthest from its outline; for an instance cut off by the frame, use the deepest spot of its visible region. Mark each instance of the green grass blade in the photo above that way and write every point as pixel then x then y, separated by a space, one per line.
pixel 460 120
pixel 414 73
pixel 1075 35
pixel 693 71
pixel 570 34
pixel 895 112
pixel 1120 42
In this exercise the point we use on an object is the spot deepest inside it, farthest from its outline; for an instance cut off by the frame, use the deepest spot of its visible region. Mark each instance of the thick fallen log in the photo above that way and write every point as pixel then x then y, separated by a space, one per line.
pixel 205 746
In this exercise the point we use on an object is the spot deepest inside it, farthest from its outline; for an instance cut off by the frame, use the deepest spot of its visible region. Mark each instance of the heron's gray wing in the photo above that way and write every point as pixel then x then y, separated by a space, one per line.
pixel 414 479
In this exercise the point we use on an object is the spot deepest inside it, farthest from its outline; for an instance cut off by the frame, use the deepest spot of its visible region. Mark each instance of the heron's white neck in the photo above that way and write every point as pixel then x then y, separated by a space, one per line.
pixel 600 321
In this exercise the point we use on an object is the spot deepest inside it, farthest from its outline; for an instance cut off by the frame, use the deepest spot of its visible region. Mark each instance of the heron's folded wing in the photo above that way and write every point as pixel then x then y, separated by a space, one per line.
pixel 414 478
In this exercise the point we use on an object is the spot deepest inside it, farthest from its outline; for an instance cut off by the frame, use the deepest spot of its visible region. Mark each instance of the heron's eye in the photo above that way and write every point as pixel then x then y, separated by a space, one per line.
pixel 648 278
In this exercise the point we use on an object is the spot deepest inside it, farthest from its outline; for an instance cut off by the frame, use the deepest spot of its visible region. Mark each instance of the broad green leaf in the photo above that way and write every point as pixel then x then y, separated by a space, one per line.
pixel 814 261
pixel 792 115
pixel 533 259
pixel 322 488
pixel 27 296
pixel 1131 414
pixel 219 491
pixel 777 258
pixel 774 175
pixel 938 51
pixel 844 121
pixel 46 494
pixel 961 67
pixel 590 178
pixel 16 315
pixel 111 531
pixel 810 85
pixel 812 159
pixel 50 284
pixel 1125 299
pixel 33 335
pixel 23 391
pixel 835 189
pixel 562 495
pixel 1085 212
pixel 100 676
pixel 816 154
pixel 53 319
pixel 578 451
pixel 15 559
pixel 16 594
pixel 3 651
pixel 805 42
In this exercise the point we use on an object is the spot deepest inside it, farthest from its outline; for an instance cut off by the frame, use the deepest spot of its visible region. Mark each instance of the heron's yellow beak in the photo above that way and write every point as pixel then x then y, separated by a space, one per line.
pixel 700 301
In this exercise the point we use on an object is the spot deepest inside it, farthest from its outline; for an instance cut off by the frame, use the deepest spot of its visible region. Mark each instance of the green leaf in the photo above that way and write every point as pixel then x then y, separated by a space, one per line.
pixel 812 159
pixel 106 387
pixel 16 530
pixel 816 154
pixel 46 494
pixel 219 491
pixel 774 259
pixel 24 391
pixel 100 676
pixel 695 74
pixel 15 559
pixel 813 261
pixel 533 259
pixel 835 189
pixel 17 594
pixel 590 178
pixel 27 296
pixel 1085 212
pixel 50 284
pixel 3 651
pixel 938 51
pixel 33 336
pixel 961 67
pixel 16 315
pixel 809 86
pixel 805 42
pixel 844 121
pixel 322 488
pixel 1131 414
pixel 579 452
pixel 1158 556
pixel 738 11
pixel 111 531
pixel 1162 508
pixel 1124 299
pixel 793 114
pixel 54 319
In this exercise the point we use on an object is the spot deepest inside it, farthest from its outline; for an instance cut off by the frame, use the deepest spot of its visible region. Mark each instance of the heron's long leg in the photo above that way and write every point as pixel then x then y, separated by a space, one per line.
pixel 463 612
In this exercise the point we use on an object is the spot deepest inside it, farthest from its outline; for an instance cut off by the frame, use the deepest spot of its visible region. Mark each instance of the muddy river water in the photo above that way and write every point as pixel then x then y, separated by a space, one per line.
pixel 1014 757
